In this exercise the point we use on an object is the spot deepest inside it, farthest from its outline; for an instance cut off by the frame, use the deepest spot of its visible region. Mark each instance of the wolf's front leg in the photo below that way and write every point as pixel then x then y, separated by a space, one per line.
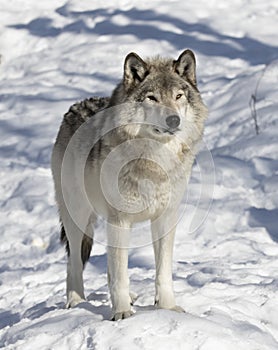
pixel 163 234
pixel 118 281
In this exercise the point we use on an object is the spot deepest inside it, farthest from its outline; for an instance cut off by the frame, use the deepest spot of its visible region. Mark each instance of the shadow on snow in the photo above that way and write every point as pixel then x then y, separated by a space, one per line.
pixel 246 48
pixel 260 217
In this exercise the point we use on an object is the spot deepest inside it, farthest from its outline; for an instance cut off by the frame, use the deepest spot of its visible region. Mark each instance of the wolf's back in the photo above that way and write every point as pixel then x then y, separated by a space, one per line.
pixel 80 112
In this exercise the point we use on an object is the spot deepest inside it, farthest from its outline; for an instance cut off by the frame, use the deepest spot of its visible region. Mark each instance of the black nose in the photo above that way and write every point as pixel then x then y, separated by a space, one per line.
pixel 173 121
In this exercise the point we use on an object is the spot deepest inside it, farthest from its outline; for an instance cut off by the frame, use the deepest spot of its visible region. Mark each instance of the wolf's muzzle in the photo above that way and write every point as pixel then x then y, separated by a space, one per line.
pixel 173 121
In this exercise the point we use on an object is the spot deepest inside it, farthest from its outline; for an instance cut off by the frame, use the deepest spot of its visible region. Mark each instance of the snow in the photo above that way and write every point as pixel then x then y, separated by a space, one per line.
pixel 54 53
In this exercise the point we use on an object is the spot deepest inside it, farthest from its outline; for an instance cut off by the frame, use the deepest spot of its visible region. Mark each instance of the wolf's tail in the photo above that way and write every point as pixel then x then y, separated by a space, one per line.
pixel 86 247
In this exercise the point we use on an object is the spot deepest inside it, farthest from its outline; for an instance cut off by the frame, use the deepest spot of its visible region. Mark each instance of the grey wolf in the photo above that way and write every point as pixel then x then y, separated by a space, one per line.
pixel 127 158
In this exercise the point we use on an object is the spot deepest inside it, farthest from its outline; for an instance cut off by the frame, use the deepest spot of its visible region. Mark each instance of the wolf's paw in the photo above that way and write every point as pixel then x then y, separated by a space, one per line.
pixel 73 300
pixel 121 315
pixel 178 308
pixel 133 297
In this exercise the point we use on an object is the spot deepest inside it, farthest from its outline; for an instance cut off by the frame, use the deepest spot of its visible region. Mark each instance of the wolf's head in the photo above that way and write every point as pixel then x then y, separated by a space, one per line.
pixel 136 70
pixel 167 91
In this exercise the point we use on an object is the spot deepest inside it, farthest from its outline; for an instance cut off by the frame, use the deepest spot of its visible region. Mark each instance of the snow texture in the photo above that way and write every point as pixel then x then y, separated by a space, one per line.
pixel 54 53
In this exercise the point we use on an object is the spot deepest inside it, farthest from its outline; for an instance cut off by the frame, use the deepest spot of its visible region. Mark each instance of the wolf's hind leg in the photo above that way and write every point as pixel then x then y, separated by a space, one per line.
pixel 75 288
pixel 79 247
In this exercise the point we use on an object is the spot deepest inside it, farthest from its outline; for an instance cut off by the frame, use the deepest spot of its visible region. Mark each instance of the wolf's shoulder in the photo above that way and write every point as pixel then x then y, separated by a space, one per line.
pixel 81 111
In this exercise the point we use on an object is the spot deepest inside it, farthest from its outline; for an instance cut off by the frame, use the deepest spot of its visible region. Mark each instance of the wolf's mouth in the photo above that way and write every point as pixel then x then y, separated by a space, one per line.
pixel 161 131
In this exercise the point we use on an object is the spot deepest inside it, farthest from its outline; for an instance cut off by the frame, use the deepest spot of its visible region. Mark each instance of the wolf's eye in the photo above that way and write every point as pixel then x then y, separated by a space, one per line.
pixel 179 96
pixel 152 98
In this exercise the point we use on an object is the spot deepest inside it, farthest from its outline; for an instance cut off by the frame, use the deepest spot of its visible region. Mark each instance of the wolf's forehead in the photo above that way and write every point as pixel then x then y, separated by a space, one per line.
pixel 164 82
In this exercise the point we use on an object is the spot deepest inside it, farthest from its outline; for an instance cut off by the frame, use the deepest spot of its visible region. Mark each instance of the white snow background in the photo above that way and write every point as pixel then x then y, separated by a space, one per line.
pixel 54 53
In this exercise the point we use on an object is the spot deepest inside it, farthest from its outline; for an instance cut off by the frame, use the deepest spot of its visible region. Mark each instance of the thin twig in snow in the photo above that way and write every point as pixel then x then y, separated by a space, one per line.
pixel 253 101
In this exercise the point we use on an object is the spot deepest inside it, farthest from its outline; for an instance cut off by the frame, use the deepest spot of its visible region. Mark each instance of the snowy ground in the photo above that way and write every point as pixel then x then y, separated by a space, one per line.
pixel 54 53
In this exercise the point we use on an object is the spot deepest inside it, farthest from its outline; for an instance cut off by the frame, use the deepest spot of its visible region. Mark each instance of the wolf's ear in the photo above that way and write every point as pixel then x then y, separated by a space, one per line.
pixel 185 66
pixel 135 69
